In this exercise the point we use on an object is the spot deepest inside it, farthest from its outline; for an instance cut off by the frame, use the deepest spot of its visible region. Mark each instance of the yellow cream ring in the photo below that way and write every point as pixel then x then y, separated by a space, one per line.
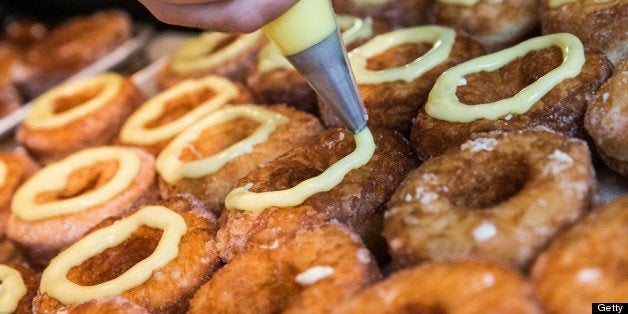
pixel 12 289
pixel 443 103
pixel 54 281
pixel 136 130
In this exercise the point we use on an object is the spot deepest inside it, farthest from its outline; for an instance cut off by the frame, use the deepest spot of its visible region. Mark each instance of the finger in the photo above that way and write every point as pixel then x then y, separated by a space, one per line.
pixel 239 16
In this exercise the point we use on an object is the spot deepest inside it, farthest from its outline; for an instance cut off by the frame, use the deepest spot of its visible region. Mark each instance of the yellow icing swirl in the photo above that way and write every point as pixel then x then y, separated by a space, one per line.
pixel 352 29
pixel 12 289
pixel 441 38
pixel 202 53
pixel 243 199
pixel 134 130
pixel 42 114
pixel 443 104
pixel 172 169
pixel 54 178
pixel 55 283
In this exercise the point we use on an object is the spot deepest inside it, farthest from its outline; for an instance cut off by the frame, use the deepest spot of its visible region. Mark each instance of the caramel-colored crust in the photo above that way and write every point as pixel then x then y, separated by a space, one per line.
pixel 97 128
pixel 31 281
pixel 212 189
pixel 477 201
pixel 170 287
pixel 42 240
pixel 562 109
pixel 357 201
pixel 111 305
pixel 177 109
pixel 394 105
pixel 587 263
pixel 606 119
pixel 19 167
pixel 263 280
pixel 10 98
pixel 72 46
pixel 235 69
pixel 455 287
pixel 399 13
pixel 600 25
pixel 495 24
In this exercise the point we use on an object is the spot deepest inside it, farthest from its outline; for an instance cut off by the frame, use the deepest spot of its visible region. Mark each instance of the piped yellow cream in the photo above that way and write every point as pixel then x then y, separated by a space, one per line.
pixel 304 25
pixel 54 280
pixel 443 104
pixel 12 289
pixel 43 115
pixel 134 130
pixel 172 168
pixel 442 40
pixel 54 177
pixel 242 199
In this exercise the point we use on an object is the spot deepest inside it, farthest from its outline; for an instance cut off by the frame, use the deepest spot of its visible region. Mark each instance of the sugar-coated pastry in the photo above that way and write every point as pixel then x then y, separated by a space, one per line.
pixel 19 286
pixel 399 13
pixel 15 168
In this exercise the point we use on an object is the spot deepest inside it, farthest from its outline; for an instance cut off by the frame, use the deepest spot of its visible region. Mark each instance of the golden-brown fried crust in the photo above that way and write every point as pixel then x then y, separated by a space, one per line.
pixel 100 127
pixel 454 287
pixel 212 189
pixel 601 25
pixel 31 281
pixel 170 287
pixel 234 69
pixel 394 105
pixel 477 200
pixel 357 201
pixel 562 109
pixel 41 240
pixel 111 305
pixel 267 280
pixel 19 167
pixel 586 263
pixel 72 46
pixel 495 24
pixel 606 119
pixel 399 13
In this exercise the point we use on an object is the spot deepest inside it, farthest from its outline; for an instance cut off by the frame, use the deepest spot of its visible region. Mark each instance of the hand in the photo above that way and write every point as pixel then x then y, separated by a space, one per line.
pixel 232 16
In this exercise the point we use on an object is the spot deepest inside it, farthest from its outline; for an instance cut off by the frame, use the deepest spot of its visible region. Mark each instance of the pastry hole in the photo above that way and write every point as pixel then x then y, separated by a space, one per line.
pixel 179 106
pixel 505 82
pixel 66 102
pixel 114 261
pixel 217 138
pixel 483 183
pixel 81 181
pixel 397 56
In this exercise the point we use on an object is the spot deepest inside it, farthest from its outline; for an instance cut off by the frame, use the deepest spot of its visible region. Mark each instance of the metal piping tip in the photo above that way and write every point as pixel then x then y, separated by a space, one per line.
pixel 325 67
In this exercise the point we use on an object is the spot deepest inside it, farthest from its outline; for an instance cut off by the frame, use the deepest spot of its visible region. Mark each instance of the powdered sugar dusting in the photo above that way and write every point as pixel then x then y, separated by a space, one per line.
pixel 488 280
pixel 487 144
pixel 587 275
pixel 424 196
pixel 605 97
pixel 274 245
pixel 484 231
pixel 508 117
pixel 462 81
pixel 363 255
pixel 313 275
pixel 558 161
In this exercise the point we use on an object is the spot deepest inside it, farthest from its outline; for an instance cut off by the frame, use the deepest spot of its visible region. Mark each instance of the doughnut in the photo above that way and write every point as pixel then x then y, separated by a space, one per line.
pixel 23 31
pixel 155 256
pixel 396 70
pixel 272 79
pixel 601 25
pixel 60 202
pixel 110 305
pixel 495 24
pixel 309 271
pixel 519 88
pixel 15 167
pixel 10 98
pixel 398 13
pixel 163 116
pixel 358 199
pixel 77 115
pixel 19 286
pixel 216 53
pixel 586 264
pixel 209 157
pixel 606 119
pixel 451 287
pixel 72 46
pixel 499 197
